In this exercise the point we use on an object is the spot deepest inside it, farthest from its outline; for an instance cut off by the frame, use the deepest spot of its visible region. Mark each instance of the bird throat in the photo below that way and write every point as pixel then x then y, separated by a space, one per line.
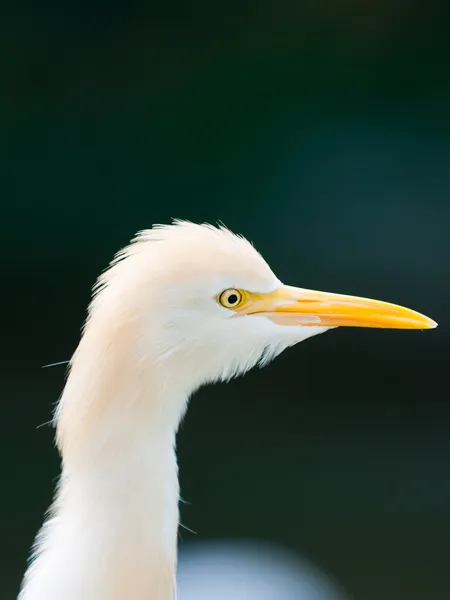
pixel 112 533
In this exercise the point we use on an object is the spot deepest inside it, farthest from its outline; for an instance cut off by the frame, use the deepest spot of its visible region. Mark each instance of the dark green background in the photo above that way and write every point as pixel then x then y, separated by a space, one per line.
pixel 321 131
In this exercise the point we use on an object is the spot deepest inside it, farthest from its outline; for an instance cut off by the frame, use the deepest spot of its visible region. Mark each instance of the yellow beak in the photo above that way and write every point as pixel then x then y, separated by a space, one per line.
pixel 295 306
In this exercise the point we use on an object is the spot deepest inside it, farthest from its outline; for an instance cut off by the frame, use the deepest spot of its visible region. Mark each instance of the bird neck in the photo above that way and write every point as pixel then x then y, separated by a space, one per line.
pixel 114 530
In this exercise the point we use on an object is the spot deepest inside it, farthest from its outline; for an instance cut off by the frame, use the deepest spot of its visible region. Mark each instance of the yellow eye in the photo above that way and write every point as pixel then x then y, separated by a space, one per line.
pixel 231 298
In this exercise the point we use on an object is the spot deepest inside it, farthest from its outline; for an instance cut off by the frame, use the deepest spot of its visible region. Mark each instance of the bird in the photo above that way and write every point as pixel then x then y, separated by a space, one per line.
pixel 183 305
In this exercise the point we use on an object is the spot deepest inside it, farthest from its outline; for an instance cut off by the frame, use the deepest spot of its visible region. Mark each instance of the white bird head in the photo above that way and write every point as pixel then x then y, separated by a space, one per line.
pixel 183 305
pixel 206 297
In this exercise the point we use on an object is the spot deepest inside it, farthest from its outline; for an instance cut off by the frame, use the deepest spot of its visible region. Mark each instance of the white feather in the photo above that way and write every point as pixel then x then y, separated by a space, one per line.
pixel 153 335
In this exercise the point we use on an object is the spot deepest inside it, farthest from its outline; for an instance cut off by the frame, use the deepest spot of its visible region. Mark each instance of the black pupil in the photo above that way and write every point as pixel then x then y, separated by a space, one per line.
pixel 232 298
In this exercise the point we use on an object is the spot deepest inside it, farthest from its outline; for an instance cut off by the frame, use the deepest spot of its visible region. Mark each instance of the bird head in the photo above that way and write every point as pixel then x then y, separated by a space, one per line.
pixel 206 298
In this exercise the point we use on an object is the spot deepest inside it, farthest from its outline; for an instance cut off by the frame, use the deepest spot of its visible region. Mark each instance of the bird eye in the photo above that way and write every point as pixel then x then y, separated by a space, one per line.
pixel 230 298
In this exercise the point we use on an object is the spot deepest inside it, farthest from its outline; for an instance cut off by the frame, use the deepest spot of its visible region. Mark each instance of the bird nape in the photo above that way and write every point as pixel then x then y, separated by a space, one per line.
pixel 184 304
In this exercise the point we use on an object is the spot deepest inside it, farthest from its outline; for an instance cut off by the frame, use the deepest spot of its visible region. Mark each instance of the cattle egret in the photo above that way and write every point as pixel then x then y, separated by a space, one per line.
pixel 182 306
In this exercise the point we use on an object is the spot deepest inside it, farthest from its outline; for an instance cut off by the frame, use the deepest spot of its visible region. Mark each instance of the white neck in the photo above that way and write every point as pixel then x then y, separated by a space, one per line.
pixel 113 527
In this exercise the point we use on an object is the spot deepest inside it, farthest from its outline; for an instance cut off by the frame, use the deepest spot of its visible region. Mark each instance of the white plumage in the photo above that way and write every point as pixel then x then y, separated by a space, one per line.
pixel 160 325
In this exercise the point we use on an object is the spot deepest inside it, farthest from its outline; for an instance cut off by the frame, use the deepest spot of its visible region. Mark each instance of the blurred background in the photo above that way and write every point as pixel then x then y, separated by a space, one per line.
pixel 319 130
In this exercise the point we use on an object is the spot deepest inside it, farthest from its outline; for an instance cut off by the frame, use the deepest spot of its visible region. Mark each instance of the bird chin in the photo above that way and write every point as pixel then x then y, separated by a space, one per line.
pixel 295 334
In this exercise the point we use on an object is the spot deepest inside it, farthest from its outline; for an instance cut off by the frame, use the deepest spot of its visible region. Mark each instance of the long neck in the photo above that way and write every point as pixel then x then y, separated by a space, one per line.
pixel 112 533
